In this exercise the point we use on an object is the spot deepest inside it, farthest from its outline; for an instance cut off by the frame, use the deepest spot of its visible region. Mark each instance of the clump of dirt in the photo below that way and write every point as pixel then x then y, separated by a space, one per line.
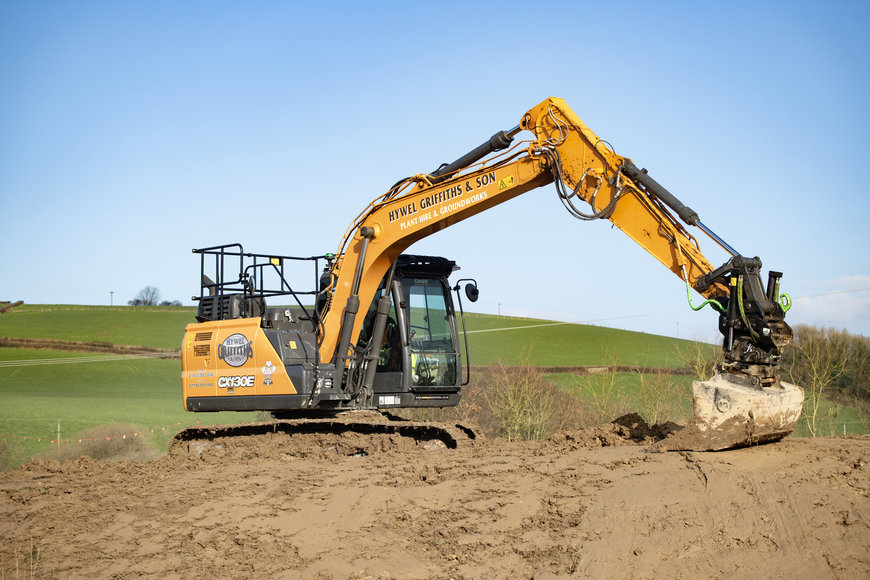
pixel 630 429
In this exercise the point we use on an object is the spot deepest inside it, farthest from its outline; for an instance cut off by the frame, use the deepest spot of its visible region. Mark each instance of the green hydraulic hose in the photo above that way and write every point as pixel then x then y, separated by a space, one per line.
pixel 714 303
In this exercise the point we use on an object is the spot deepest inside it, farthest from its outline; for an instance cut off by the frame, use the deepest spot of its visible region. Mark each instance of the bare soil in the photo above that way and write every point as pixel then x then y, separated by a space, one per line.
pixel 599 502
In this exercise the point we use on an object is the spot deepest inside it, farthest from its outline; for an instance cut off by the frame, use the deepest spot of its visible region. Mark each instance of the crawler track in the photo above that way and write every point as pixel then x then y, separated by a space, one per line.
pixel 347 434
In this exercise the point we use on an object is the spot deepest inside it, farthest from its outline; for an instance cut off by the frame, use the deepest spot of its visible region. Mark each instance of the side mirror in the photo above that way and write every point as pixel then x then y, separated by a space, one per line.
pixel 471 292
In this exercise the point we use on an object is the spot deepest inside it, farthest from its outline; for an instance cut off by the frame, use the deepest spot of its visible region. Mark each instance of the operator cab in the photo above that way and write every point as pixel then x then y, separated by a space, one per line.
pixel 419 362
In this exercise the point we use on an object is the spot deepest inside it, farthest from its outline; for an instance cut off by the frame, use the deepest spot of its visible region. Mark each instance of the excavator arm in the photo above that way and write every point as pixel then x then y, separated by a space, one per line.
pixel 592 182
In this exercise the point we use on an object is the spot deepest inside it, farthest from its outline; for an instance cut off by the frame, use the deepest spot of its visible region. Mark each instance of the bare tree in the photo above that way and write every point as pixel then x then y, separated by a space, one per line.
pixel 816 360
pixel 147 296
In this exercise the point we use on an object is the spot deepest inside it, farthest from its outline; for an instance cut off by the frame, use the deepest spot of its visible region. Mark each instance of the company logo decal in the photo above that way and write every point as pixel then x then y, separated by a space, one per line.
pixel 235 350
pixel 267 372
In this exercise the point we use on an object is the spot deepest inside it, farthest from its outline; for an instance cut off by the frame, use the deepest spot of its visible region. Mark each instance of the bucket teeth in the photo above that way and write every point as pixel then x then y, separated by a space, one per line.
pixel 729 412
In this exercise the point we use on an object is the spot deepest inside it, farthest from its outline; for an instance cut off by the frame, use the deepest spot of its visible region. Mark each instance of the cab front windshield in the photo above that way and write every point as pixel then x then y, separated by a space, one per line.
pixel 433 353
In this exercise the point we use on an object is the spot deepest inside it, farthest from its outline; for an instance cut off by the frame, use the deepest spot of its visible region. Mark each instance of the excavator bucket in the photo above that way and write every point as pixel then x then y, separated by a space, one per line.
pixel 730 413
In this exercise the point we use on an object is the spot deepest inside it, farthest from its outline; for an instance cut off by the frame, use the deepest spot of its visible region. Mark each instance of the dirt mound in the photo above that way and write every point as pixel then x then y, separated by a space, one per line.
pixel 630 429
pixel 598 502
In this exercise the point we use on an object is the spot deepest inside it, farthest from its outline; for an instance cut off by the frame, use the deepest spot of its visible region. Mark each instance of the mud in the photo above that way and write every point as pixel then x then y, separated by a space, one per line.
pixel 599 502
pixel 350 433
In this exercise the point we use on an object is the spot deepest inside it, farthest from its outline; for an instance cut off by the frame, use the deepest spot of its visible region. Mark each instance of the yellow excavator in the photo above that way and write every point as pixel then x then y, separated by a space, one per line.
pixel 311 362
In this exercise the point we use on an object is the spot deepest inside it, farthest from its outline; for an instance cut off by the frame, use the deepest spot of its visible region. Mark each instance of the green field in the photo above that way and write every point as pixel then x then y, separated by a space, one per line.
pixel 92 390
pixel 81 395
pixel 43 391
pixel 544 343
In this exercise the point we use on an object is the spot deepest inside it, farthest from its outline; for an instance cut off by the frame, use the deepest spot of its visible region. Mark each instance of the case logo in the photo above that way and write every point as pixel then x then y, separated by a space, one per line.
pixel 235 350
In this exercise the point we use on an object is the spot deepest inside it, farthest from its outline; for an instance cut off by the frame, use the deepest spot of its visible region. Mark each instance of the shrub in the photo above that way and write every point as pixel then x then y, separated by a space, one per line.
pixel 660 397
pixel 699 357
pixel 472 410
pixel 523 405
pixel 7 455
pixel 106 442
pixel 603 391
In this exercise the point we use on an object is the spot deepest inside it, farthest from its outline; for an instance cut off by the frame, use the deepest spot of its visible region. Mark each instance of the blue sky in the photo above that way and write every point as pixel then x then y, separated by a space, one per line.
pixel 131 133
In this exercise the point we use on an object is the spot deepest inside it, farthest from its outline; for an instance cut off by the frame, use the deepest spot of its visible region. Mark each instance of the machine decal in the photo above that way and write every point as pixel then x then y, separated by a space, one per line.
pixel 267 371
pixel 205 376
pixel 196 385
pixel 403 211
pixel 506 182
pixel 443 210
pixel 235 350
pixel 443 196
pixel 235 381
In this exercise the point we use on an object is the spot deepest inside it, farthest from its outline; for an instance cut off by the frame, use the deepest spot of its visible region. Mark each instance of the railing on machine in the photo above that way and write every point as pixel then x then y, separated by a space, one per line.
pixel 252 279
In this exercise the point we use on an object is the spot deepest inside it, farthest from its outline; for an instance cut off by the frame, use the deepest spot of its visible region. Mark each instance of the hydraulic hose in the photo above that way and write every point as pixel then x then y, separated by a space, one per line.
pixel 714 303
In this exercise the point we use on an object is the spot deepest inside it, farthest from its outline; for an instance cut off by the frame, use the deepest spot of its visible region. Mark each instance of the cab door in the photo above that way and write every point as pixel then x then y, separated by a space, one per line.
pixel 431 353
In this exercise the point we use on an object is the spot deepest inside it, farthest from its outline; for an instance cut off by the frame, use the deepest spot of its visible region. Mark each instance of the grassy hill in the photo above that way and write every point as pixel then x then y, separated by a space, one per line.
pixel 159 327
pixel 491 338
pixel 495 339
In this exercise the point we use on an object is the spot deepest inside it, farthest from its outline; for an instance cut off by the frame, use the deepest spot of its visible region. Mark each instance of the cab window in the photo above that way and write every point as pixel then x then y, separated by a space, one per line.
pixel 433 353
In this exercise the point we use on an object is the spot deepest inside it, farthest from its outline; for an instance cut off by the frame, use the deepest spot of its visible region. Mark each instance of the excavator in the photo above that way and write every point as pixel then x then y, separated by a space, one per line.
pixel 315 362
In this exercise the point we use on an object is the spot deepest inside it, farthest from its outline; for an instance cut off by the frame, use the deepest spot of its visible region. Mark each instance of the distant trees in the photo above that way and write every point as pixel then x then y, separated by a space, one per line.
pixel 829 364
pixel 150 296
pixel 147 296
